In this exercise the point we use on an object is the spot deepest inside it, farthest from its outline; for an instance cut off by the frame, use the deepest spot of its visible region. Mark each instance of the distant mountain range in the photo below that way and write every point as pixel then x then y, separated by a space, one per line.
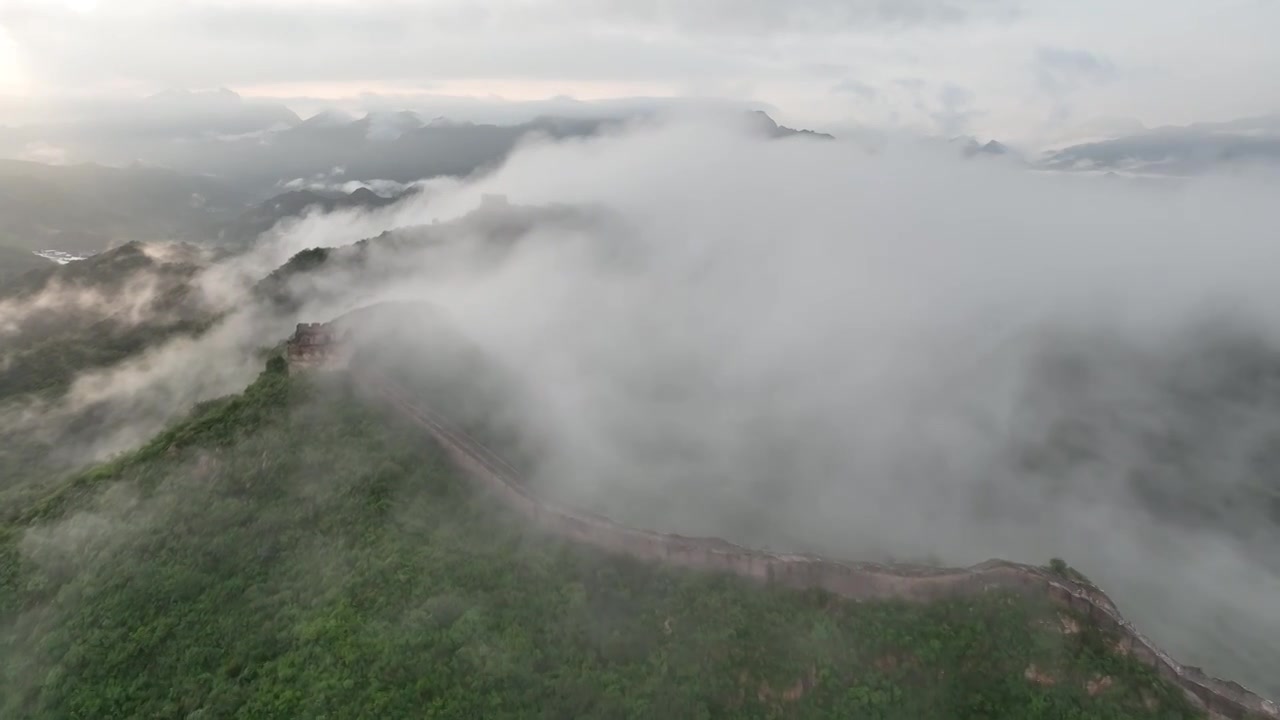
pixel 1179 150
pixel 16 261
pixel 89 208
pixel 774 130
pixel 210 156
pixel 294 203
pixel 1175 151
pixel 215 165
pixel 991 147
pixel 63 319
pixel 261 145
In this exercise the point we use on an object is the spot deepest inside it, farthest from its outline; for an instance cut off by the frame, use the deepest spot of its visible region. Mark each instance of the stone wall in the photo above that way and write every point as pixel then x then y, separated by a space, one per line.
pixel 852 580
pixel 313 346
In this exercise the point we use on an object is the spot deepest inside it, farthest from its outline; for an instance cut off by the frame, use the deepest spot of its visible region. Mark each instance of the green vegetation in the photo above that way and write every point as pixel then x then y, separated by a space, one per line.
pixel 49 366
pixel 64 321
pixel 92 207
pixel 395 253
pixel 215 423
pixel 274 288
pixel 95 313
pixel 16 261
pixel 292 552
pixel 302 262
pixel 1059 567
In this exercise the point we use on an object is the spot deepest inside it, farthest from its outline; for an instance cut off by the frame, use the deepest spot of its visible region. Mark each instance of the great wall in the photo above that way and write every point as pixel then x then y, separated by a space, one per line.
pixel 857 581
pixel 313 345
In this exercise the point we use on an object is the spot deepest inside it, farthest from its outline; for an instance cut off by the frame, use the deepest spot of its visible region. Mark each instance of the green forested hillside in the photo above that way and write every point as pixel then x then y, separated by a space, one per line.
pixel 294 553
pixel 89 207
pixel 16 261
pixel 90 314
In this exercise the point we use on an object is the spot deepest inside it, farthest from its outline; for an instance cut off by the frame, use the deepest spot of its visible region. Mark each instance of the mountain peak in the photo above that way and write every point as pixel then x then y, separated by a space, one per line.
pixel 440 121
pixel 183 94
pixel 329 117
pixel 763 121
pixel 364 194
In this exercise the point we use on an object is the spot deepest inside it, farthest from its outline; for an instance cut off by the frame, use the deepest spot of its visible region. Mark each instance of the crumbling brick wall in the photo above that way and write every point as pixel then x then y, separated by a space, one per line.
pixel 313 345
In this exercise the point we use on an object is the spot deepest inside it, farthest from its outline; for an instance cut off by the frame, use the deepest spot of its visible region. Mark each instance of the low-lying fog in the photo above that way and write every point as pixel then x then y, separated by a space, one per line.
pixel 904 354
pixel 908 355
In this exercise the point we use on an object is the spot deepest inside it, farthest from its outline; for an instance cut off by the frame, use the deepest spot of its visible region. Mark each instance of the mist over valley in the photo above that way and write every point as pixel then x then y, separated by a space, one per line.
pixel 924 358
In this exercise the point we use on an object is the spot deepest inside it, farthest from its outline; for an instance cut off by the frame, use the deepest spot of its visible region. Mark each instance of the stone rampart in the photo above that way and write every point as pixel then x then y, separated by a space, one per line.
pixel 857 581
pixel 314 346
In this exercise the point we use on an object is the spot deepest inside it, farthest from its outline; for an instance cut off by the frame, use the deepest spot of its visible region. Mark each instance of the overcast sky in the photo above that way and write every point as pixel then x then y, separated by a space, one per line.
pixel 1020 70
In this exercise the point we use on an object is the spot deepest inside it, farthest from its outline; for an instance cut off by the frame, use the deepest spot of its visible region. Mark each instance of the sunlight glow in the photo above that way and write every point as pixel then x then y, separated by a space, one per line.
pixel 13 80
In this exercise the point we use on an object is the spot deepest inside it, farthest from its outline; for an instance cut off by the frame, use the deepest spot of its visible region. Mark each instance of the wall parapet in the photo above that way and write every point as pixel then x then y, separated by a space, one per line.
pixel 858 581
pixel 315 346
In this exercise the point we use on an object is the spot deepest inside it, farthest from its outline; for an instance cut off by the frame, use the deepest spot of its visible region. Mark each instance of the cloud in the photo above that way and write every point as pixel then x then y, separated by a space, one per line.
pixel 807 346
pixel 1186 59
pixel 1078 61
pixel 1062 73
pixel 948 107
pixel 614 49
pixel 118 302
pixel 755 16
pixel 43 152
pixel 1247 144
pixel 901 354
pixel 954 116
pixel 860 90
pixel 1060 70
pixel 128 304
pixel 131 401
pixel 455 40
pixel 123 299
pixel 324 184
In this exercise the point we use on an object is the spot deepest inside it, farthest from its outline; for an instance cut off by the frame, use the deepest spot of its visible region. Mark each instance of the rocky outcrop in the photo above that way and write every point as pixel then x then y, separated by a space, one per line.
pixel 852 580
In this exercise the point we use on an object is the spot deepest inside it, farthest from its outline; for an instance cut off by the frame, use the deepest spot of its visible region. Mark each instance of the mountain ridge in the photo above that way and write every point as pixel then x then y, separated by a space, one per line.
pixel 859 581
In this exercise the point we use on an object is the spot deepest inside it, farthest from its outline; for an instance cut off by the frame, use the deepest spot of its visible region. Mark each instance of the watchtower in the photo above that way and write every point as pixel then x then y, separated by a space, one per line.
pixel 313 345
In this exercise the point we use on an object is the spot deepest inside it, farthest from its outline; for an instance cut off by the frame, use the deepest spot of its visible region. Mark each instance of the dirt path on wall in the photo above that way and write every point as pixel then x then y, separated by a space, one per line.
pixel 851 580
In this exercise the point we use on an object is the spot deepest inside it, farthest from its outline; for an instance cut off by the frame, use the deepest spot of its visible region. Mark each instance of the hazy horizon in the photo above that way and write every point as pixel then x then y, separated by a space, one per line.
pixel 1027 72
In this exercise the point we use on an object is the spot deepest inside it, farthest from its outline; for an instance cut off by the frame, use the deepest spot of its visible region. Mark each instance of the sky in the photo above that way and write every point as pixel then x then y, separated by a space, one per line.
pixel 1018 70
